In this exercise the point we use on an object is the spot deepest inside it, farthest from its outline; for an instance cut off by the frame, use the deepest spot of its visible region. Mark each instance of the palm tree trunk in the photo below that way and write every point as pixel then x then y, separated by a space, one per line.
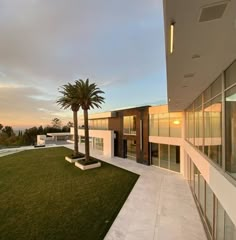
pixel 76 148
pixel 86 134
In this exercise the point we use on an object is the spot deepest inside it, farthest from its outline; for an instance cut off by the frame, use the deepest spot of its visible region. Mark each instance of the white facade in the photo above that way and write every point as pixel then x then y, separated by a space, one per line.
pixel 107 136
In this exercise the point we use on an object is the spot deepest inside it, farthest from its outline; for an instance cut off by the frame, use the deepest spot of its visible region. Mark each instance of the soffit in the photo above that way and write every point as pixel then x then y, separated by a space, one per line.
pixel 203 47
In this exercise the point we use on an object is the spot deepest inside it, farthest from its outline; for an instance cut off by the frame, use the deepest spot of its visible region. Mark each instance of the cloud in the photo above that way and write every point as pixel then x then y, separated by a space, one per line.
pixel 45 44
pixel 53 41
pixel 17 110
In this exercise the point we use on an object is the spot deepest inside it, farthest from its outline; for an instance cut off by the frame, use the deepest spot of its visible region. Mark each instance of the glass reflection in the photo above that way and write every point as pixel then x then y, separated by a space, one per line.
pixel 175 124
pixel 219 222
pixel 198 128
pixel 155 154
pixel 230 229
pixel 164 156
pixel 164 124
pixel 175 158
pixel 212 129
pixel 230 134
pixel 131 149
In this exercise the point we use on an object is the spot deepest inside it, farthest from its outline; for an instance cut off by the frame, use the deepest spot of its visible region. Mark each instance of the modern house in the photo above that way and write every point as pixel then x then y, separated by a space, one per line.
pixel 200 39
pixel 195 134
pixel 145 134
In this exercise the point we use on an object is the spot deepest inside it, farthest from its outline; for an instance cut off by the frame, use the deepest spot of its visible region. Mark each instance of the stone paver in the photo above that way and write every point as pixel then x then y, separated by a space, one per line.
pixel 160 206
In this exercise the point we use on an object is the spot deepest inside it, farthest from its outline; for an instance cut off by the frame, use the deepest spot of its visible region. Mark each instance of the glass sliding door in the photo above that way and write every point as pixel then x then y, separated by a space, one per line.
pixel 164 156
pixel 155 154
pixel 175 158
pixel 131 149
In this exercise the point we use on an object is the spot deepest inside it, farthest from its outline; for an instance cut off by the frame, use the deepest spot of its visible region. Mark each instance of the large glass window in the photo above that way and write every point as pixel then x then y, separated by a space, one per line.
pixel 164 124
pixel 131 149
pixel 98 124
pixel 166 156
pixel 212 129
pixel 191 126
pixel 216 87
pixel 219 221
pixel 130 125
pixel 164 153
pixel 209 207
pixel 202 192
pixel 98 143
pixel 196 181
pixel 175 158
pixel 230 136
pixel 204 124
pixel 191 173
pixel 175 124
pixel 230 75
pixel 153 125
pixel 230 229
pixel 155 154
pixel 198 128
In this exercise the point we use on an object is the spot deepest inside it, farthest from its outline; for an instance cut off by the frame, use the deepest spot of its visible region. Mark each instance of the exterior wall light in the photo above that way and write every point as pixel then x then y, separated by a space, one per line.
pixel 172 26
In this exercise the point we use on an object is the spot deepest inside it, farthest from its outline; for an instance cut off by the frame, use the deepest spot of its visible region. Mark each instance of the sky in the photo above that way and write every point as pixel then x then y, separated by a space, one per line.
pixel 45 44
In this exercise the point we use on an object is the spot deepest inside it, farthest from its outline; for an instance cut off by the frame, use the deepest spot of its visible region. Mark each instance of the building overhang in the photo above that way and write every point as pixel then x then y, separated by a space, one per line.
pixel 101 115
pixel 204 37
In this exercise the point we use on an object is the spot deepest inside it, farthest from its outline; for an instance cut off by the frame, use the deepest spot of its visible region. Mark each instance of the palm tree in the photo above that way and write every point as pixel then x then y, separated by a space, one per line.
pixel 89 98
pixel 70 99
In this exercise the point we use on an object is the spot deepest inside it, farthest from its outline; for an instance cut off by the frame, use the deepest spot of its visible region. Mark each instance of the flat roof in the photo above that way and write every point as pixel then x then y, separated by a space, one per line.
pixel 59 134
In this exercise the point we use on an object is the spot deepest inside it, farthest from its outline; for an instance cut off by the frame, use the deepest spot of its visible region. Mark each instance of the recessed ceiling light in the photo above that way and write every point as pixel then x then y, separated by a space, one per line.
pixel 194 56
pixel 189 75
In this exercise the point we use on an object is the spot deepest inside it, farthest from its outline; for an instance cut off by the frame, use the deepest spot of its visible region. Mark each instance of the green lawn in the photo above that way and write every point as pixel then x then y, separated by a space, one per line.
pixel 42 196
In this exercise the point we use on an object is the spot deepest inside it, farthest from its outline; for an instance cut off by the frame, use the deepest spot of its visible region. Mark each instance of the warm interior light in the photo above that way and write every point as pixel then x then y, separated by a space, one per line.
pixel 176 122
pixel 172 37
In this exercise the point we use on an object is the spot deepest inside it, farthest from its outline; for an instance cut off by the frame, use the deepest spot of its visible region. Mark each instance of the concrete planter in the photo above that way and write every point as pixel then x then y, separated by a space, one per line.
pixel 87 167
pixel 72 160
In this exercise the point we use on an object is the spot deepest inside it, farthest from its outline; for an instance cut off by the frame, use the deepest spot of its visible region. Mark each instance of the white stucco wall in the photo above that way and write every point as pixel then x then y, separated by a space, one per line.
pixel 41 139
pixel 108 139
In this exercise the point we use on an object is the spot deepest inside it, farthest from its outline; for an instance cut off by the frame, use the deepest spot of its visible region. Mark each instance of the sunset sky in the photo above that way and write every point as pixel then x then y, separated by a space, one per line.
pixel 47 43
